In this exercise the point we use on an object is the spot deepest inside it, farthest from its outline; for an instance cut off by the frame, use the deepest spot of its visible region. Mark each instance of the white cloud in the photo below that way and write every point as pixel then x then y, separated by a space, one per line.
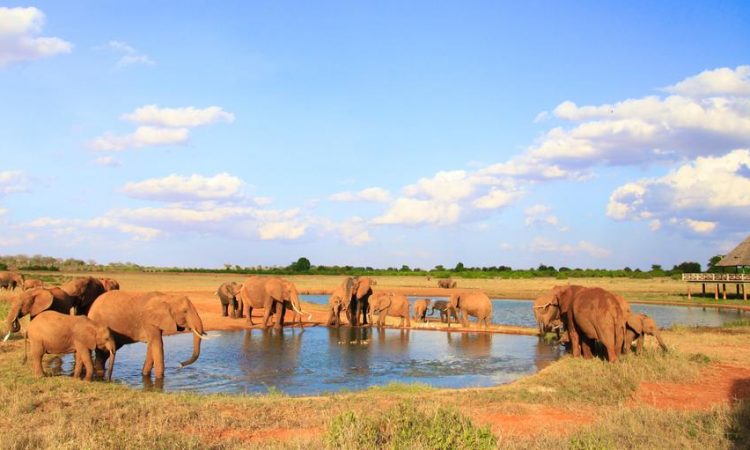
pixel 188 117
pixel 543 245
pixel 354 231
pixel 163 127
pixel 12 181
pixel 706 115
pixel 722 81
pixel 19 28
pixel 68 227
pixel 410 211
pixel 127 54
pixel 281 231
pixel 107 161
pixel 179 188
pixel 373 194
pixel 142 137
pixel 496 198
pixel 697 196
pixel 542 215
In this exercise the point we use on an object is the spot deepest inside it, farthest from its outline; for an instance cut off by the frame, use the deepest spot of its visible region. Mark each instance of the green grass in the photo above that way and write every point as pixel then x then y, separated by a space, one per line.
pixel 404 426
pixel 597 382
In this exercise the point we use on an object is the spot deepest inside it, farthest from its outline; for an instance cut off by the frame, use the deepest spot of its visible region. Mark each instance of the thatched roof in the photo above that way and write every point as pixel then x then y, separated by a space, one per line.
pixel 740 256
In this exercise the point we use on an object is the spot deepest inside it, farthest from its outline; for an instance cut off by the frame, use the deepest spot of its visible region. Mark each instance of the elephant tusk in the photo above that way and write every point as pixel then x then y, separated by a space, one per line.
pixel 543 306
pixel 6 336
pixel 200 336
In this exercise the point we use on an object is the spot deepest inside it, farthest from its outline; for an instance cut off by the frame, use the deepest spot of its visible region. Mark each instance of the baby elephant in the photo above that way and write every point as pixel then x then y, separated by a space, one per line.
pixel 52 332
pixel 420 309
pixel 637 327
pixel 445 310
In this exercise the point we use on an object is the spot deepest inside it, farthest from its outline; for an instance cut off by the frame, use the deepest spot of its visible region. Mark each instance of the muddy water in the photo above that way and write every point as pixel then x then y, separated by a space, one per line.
pixel 520 313
pixel 322 360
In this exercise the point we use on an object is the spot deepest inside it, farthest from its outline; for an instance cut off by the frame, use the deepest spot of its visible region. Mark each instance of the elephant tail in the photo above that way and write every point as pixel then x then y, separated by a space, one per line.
pixel 619 335
pixel 25 346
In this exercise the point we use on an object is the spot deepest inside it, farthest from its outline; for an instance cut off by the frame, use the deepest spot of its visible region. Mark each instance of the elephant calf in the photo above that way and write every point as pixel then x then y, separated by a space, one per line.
pixel 228 294
pixel 475 304
pixel 638 326
pixel 420 309
pixel 445 310
pixel 394 305
pixel 52 332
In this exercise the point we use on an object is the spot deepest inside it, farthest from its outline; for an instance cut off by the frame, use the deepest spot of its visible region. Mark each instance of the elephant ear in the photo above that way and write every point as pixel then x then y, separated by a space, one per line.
pixel 159 314
pixel 635 322
pixel 39 301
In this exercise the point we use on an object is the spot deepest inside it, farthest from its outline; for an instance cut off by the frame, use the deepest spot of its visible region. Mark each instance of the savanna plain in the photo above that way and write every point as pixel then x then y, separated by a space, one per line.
pixel 696 395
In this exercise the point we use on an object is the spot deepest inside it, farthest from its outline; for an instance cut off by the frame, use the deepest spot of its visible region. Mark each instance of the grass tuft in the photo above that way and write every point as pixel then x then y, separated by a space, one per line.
pixel 404 426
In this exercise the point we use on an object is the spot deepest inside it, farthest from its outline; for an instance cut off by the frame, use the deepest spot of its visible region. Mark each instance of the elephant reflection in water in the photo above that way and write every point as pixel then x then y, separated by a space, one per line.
pixel 350 348
pixel 271 357
pixel 475 345
pixel 392 341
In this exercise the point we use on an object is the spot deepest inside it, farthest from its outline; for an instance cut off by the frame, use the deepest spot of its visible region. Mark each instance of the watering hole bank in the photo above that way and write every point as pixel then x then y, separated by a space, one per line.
pixel 318 360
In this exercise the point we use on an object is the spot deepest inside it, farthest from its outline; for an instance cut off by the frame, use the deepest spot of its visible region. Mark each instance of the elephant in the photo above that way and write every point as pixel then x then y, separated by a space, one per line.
pixel 84 290
pixel 110 284
pixel 137 317
pixel 475 304
pixel 593 314
pixel 228 293
pixel 266 293
pixel 445 310
pixel 340 300
pixel 34 302
pixel 390 304
pixel 446 284
pixel 32 283
pixel 637 326
pixel 10 280
pixel 52 332
pixel 360 302
pixel 420 309
pixel 547 315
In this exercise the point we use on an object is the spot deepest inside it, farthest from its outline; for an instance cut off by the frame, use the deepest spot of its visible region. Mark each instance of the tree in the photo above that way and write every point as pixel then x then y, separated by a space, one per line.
pixel 459 267
pixel 712 263
pixel 405 268
pixel 301 265
pixel 656 267
pixel 687 267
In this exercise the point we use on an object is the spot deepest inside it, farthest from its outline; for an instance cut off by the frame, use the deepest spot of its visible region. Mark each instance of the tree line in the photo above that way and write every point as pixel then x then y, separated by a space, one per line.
pixel 304 266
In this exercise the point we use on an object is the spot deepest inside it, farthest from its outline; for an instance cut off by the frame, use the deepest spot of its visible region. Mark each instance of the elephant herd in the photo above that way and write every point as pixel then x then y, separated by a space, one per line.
pixel 88 315
pixel 583 316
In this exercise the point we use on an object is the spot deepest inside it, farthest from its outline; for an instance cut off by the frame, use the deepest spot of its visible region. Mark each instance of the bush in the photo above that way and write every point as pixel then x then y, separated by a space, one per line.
pixel 405 427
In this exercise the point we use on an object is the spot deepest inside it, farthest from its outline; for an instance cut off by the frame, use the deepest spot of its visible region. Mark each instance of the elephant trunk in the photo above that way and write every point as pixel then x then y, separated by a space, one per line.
pixel 111 365
pixel 11 321
pixel 195 324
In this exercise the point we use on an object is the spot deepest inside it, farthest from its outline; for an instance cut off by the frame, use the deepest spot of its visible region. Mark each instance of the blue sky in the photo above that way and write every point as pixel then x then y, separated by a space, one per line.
pixel 419 133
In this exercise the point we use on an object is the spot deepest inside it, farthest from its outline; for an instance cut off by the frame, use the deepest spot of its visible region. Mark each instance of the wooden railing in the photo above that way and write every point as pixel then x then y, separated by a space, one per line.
pixel 713 277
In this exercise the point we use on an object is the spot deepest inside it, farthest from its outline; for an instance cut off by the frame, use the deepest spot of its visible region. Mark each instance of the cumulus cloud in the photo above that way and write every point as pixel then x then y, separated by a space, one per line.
pixel 19 40
pixel 221 186
pixel 697 196
pixel 67 227
pixel 544 245
pixel 542 215
pixel 707 114
pixel 449 196
pixel 372 194
pixel 160 127
pixel 142 137
pixel 281 231
pixel 189 117
pixel 12 181
pixel 127 55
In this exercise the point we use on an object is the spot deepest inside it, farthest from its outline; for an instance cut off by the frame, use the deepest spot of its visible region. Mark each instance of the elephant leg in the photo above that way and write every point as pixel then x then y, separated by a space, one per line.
pixel 37 352
pixel 158 357
pixel 77 366
pixel 586 348
pixel 639 346
pixel 100 362
pixel 280 316
pixel 83 356
pixel 224 310
pixel 408 322
pixel 148 364
pixel 267 310
pixel 249 311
